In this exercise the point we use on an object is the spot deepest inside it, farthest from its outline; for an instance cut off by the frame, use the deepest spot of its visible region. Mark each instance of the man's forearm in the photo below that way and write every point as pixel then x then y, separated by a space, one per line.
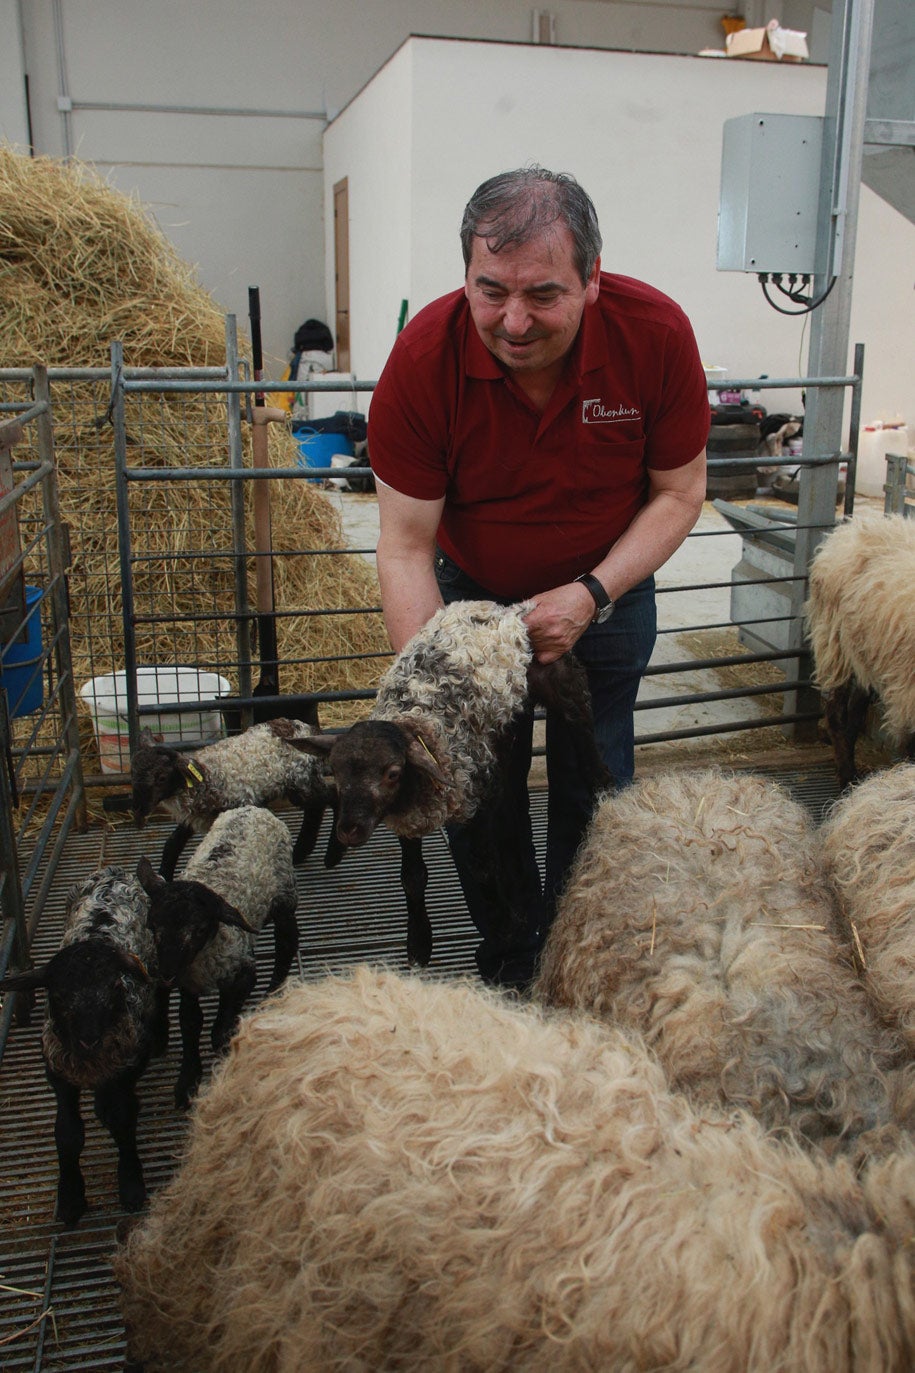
pixel 654 535
pixel 409 592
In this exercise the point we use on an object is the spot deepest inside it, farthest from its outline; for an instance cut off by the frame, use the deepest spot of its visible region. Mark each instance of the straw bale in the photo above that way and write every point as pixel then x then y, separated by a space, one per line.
pixel 82 264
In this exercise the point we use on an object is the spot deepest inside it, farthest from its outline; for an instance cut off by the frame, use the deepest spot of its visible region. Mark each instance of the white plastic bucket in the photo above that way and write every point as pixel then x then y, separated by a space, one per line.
pixel 873 447
pixel 106 698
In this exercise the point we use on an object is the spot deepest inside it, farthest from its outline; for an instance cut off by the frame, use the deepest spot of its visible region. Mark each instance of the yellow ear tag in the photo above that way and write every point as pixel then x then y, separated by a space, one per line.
pixel 195 773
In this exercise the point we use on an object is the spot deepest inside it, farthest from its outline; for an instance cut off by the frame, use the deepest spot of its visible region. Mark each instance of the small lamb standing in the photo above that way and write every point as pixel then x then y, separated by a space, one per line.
pixel 862 631
pixel 104 1020
pixel 698 913
pixel 397 1173
pixel 249 769
pixel 204 925
pixel 869 849
pixel 429 753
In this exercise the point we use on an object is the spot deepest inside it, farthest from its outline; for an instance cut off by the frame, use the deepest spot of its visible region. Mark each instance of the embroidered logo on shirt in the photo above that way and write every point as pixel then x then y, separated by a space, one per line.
pixel 597 411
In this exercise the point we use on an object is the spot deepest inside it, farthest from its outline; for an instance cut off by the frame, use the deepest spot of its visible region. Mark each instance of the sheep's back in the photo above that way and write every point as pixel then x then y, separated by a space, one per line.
pixel 869 850
pixel 396 1173
pixel 108 907
pixel 247 858
pixel 465 673
pixel 697 912
pixel 250 769
pixel 858 613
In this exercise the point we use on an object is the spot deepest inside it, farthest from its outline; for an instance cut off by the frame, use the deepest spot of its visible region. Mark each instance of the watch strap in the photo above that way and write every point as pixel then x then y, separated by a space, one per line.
pixel 600 597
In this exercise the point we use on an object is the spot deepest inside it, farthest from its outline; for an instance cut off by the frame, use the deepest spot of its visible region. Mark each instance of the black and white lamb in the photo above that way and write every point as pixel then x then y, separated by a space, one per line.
pixel 204 925
pixel 862 632
pixel 248 769
pixel 105 1017
pixel 429 754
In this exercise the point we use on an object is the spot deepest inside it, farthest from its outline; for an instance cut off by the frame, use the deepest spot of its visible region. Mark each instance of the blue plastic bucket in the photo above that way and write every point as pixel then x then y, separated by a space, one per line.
pixel 317 448
pixel 20 666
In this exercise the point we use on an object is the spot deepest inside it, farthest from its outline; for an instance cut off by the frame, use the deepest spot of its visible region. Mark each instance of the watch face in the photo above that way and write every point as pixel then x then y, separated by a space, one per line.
pixel 604 613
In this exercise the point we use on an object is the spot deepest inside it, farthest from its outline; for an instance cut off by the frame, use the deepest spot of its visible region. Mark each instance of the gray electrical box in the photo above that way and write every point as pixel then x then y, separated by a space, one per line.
pixel 770 179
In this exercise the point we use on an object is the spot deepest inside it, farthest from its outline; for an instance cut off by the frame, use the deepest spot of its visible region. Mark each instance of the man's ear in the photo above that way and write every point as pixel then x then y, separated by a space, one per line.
pixel 592 290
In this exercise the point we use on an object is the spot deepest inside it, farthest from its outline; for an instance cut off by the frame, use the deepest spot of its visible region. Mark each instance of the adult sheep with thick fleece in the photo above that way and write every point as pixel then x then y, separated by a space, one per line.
pixel 397 1173
pixel 862 631
pixel 430 752
pixel 698 913
pixel 869 848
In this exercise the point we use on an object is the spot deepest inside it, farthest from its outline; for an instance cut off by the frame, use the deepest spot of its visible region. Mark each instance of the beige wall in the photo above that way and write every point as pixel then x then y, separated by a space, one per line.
pixel 643 134
pixel 238 192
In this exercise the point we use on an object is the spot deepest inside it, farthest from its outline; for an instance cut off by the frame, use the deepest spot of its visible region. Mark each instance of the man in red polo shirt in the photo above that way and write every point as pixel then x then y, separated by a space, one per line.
pixel 539 435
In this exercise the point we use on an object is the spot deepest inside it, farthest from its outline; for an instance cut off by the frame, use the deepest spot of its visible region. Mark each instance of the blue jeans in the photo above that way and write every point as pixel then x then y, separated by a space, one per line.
pixel 494 853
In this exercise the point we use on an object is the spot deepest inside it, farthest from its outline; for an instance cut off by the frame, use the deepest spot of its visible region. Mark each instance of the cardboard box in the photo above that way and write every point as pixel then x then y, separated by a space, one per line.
pixel 771 44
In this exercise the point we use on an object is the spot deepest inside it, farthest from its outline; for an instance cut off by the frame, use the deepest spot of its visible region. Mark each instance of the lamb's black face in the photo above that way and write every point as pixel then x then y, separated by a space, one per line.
pixel 86 996
pixel 156 776
pixel 183 917
pixel 369 764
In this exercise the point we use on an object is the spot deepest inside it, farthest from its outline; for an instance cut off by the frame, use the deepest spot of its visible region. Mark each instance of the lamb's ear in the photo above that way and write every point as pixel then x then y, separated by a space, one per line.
pixel 419 757
pixel 134 965
pixel 231 915
pixel 148 739
pixel 25 982
pixel 319 745
pixel 148 878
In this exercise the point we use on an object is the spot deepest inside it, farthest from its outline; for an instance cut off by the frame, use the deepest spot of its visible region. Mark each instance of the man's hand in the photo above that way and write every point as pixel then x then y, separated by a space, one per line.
pixel 558 620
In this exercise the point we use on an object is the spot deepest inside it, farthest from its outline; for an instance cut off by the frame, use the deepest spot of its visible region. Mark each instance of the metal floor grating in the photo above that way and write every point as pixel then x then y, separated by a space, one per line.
pixel 58 1302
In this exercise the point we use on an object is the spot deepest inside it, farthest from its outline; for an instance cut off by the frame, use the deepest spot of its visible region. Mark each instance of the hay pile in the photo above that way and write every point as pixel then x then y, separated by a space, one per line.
pixel 81 265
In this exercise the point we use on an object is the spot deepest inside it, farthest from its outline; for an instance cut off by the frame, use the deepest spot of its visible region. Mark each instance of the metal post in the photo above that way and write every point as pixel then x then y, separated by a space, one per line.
pixel 854 431
pixel 840 181
pixel 58 564
pixel 239 542
pixel 118 419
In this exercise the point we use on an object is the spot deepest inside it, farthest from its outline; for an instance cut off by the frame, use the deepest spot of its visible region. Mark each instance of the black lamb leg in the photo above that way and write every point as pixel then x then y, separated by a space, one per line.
pixel 118 1109
pixel 190 1019
pixel 312 815
pixel 414 878
pixel 285 943
pixel 334 852
pixel 159 1035
pixel 69 1137
pixel 173 848
pixel 846 711
pixel 232 997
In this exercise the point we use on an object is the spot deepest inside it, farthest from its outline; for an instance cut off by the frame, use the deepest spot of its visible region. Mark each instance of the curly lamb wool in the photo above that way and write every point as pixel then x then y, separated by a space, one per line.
pixel 862 632
pixel 697 913
pixel 105 1017
pixel 393 1173
pixel 869 849
pixel 254 768
pixel 204 923
pixel 459 683
pixel 108 908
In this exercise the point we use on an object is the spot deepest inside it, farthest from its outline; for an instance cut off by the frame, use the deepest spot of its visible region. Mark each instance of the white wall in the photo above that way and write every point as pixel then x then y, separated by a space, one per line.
pixel 241 195
pixel 643 134
pixel 13 116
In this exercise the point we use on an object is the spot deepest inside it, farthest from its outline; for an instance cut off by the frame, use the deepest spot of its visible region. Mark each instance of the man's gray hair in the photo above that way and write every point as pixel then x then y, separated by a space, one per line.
pixel 510 209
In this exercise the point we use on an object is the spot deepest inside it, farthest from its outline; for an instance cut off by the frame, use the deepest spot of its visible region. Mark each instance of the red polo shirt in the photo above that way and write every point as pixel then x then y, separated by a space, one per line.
pixel 532 500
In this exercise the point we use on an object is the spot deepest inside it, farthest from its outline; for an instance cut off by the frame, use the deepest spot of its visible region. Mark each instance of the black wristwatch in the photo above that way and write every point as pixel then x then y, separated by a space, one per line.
pixel 605 606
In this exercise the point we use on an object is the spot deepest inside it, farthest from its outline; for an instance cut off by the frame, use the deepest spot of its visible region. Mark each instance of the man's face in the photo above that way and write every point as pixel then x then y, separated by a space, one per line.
pixel 527 302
